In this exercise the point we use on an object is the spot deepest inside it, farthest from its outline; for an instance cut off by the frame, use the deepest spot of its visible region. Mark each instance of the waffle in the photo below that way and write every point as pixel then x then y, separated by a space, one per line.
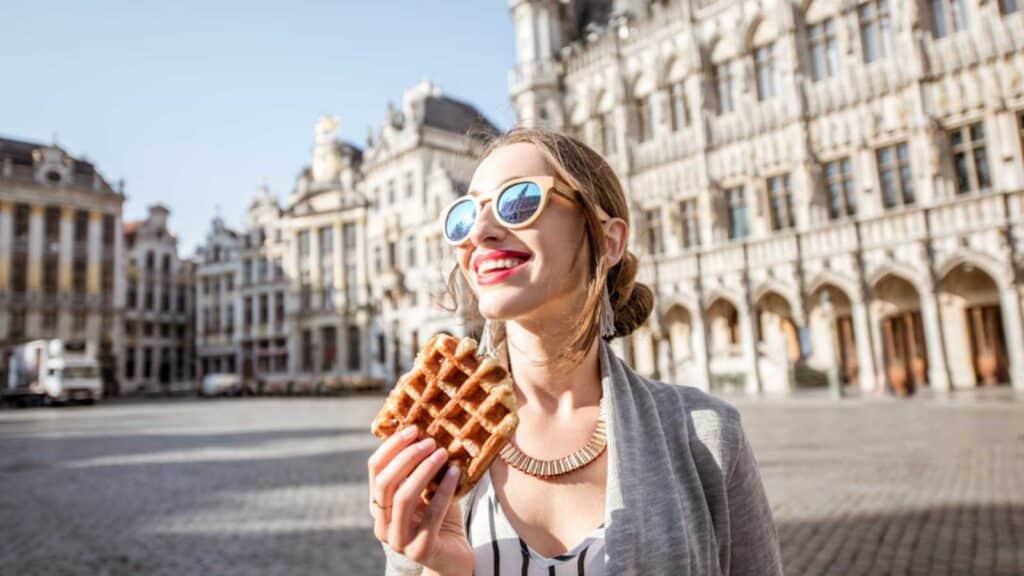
pixel 465 402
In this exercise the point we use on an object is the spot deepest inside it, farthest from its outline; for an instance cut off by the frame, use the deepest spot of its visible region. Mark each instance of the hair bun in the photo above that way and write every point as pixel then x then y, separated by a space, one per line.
pixel 632 301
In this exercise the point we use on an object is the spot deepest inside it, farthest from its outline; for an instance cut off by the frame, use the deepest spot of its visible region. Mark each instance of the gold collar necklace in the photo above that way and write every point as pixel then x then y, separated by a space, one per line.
pixel 551 468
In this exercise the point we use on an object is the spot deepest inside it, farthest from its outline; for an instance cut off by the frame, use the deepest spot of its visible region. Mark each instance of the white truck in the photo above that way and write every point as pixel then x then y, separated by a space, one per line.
pixel 43 371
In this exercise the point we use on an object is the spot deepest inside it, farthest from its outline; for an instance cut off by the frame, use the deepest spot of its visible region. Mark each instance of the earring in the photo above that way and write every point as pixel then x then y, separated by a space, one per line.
pixel 607 317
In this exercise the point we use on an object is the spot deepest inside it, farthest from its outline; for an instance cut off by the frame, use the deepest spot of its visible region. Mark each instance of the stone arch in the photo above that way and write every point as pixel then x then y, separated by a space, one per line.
pixel 974 325
pixel 896 306
pixel 772 285
pixel 842 282
pixel 964 256
pixel 725 332
pixel 830 330
pixel 678 324
pixel 898 270
pixel 777 326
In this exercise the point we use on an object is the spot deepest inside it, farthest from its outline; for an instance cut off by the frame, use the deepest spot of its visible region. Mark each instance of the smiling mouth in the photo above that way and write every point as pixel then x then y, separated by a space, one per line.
pixel 504 268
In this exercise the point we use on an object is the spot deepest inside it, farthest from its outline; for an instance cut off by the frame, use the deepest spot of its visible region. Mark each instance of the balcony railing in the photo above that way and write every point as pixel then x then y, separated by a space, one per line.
pixel 967 214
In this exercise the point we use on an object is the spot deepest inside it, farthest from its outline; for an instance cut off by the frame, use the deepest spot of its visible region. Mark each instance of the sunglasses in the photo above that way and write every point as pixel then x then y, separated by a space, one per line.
pixel 517 204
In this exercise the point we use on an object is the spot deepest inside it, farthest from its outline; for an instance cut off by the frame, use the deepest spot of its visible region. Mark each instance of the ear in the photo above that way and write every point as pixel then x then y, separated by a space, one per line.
pixel 616 232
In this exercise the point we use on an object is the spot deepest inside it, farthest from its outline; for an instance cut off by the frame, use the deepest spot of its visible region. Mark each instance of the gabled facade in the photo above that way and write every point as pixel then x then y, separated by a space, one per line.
pixel 61 252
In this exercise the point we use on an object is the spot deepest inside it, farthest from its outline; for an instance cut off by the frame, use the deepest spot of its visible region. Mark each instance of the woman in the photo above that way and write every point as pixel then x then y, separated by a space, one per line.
pixel 541 241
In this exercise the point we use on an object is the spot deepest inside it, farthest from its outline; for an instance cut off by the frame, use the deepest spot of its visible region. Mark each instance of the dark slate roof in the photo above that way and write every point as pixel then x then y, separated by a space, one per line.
pixel 20 152
pixel 451 115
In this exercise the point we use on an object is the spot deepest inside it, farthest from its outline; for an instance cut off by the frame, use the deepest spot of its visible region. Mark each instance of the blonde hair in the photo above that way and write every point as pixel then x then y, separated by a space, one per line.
pixel 586 171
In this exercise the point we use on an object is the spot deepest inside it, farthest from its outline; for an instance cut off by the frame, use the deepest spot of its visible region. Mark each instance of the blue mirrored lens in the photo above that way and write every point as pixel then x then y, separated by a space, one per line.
pixel 460 220
pixel 518 202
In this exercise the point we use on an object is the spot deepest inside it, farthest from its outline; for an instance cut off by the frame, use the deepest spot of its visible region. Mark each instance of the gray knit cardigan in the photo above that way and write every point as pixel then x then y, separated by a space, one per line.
pixel 684 495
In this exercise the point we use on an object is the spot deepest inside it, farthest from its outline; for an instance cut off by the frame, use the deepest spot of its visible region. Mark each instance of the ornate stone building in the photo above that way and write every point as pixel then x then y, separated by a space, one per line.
pixel 158 311
pixel 335 287
pixel 61 253
pixel 813 184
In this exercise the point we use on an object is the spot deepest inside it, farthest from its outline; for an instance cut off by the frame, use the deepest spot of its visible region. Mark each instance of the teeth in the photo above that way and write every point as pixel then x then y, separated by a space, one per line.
pixel 501 264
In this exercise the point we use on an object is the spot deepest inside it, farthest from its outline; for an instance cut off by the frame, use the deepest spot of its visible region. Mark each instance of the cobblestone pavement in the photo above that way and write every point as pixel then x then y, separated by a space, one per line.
pixel 277 486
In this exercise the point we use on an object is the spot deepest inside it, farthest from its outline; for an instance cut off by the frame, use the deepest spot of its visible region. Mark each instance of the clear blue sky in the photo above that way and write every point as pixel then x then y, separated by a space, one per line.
pixel 192 102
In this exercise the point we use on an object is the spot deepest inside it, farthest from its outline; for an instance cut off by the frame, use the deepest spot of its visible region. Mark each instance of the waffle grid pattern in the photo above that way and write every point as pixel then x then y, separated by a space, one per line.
pixel 467 405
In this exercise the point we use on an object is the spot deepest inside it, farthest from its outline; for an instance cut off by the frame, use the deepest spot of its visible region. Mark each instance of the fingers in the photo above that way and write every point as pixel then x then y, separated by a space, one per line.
pixel 387 450
pixel 399 469
pixel 407 501
pixel 381 457
pixel 436 511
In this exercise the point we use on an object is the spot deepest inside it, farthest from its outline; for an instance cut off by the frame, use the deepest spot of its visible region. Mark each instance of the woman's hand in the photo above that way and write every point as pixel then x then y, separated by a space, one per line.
pixel 433 535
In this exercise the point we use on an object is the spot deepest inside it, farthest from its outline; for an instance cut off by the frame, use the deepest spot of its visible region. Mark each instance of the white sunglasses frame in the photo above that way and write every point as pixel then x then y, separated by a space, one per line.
pixel 547 185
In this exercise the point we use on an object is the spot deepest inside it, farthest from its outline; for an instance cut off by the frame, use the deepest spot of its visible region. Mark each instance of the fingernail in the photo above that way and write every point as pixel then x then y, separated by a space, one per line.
pixel 439 453
pixel 453 472
pixel 426 443
pixel 409 432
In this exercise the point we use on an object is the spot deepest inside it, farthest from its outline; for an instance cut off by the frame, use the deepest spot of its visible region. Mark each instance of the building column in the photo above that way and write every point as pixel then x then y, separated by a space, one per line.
pixel 865 354
pixel 1009 301
pixel 938 379
pixel 878 350
pixel 700 350
pixel 35 248
pixel 749 337
pixel 67 230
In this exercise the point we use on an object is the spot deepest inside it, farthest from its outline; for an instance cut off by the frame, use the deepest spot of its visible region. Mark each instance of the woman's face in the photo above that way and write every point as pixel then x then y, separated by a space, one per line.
pixel 542 282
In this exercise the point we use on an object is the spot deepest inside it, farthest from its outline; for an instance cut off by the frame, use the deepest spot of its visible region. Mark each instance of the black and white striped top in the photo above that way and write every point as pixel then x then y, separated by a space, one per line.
pixel 499 550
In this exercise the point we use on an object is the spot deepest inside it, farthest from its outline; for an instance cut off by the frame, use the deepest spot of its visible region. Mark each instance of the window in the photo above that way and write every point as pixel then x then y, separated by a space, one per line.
pixel 326 242
pixel 108 229
pixel 165 264
pixel 644 121
pixel 894 176
pixel 780 202
pixel 147 362
pixel 409 186
pixel 21 225
pixel 354 348
pixel 652 221
pixel 279 308
pixel 328 348
pixel 129 363
pixel 1008 6
pixel 381 350
pixel 150 260
pixel 970 160
pixel 737 205
pixel 948 16
pixel 874 29
pixel 725 87
pixel 49 320
pixel 247 312
pixel 378 258
pixel 677 106
pixel 264 309
pixel 81 226
pixel 246 271
pixel 689 231
pixel 304 244
pixel 764 66
pixel 839 189
pixel 348 236
pixel 391 191
pixel 824 50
